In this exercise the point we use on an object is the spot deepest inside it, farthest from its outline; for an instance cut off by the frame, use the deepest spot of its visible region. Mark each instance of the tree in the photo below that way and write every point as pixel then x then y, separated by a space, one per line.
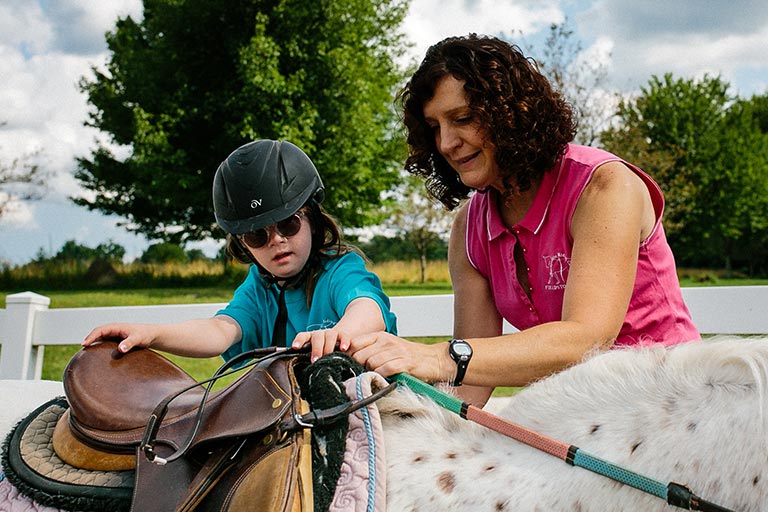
pixel 381 248
pixel 419 220
pixel 73 251
pixel 21 179
pixel 164 252
pixel 196 79
pixel 196 255
pixel 708 153
pixel 580 79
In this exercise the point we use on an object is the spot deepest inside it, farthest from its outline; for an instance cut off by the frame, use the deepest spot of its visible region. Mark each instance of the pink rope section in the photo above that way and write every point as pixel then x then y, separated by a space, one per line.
pixel 518 432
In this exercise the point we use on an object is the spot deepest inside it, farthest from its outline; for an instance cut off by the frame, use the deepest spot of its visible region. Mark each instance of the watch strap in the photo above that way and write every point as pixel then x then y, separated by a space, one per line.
pixel 461 360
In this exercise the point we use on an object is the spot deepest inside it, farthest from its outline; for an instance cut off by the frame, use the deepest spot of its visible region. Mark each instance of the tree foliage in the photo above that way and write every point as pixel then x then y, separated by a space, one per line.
pixel 164 252
pixel 380 248
pixel 72 251
pixel 423 223
pixel 196 79
pixel 21 179
pixel 709 152
pixel 579 78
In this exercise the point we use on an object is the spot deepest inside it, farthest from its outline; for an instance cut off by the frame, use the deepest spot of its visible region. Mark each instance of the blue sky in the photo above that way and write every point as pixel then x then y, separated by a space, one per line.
pixel 47 45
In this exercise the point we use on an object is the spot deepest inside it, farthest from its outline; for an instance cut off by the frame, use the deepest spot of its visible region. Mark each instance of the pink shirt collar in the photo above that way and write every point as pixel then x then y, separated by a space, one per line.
pixel 535 217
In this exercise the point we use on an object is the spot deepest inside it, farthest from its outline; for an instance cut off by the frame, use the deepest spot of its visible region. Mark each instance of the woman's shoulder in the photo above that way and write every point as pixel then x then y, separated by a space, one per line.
pixel 578 152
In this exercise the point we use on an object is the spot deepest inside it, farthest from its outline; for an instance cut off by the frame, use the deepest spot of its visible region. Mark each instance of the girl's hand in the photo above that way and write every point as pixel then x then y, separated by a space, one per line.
pixel 324 341
pixel 129 335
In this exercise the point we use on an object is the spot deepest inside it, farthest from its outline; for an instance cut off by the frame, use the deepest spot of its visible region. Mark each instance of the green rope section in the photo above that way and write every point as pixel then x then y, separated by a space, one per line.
pixel 444 400
pixel 620 474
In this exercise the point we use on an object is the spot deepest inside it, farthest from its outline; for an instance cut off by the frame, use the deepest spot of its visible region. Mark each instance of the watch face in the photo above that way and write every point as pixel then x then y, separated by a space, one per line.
pixel 462 349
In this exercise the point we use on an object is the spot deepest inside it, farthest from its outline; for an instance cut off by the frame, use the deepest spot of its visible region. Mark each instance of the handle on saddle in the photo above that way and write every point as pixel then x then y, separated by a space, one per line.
pixel 158 414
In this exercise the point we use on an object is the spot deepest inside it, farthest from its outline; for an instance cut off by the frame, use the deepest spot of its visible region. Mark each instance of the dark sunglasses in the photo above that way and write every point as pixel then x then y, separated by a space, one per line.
pixel 284 228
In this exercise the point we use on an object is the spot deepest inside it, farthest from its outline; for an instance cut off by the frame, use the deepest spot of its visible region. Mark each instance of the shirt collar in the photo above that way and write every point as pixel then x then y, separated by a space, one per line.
pixel 534 219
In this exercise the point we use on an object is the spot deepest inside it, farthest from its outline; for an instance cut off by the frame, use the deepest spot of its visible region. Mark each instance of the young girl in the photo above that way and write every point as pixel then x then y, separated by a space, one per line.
pixel 305 285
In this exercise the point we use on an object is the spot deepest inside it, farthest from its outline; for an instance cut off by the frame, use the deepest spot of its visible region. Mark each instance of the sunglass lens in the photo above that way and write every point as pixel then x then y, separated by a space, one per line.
pixel 289 226
pixel 256 239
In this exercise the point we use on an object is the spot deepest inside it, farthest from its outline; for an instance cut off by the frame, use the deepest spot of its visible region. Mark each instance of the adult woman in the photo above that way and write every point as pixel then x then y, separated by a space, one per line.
pixel 563 241
pixel 305 285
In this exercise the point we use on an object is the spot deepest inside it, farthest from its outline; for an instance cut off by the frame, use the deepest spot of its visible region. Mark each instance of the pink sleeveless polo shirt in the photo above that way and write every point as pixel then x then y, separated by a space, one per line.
pixel 657 313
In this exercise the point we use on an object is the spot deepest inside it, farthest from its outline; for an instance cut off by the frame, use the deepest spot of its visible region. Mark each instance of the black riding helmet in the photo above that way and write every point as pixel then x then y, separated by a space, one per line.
pixel 262 183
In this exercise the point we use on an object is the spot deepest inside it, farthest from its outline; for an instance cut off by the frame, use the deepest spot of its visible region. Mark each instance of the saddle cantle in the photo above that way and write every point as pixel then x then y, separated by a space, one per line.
pixel 238 455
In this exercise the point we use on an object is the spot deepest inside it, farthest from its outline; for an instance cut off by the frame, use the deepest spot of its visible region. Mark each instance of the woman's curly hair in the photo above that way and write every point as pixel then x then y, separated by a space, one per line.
pixel 524 118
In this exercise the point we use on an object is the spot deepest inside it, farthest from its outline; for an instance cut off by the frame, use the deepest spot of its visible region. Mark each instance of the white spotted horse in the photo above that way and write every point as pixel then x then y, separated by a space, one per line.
pixel 693 414
pixel 690 419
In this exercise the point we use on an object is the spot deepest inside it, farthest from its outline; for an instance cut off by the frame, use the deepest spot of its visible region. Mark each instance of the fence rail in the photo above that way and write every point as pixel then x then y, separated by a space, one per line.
pixel 28 324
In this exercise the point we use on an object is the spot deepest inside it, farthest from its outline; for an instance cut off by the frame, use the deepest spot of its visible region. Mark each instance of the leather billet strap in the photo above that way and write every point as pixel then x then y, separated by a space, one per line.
pixel 322 417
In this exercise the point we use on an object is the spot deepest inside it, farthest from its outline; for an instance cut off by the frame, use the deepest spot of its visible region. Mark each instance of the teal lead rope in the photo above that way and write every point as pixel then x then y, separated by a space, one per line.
pixel 673 493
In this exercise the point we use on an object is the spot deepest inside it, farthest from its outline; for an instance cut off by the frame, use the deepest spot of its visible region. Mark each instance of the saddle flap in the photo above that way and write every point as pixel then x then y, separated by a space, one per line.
pixel 113 395
pixel 255 402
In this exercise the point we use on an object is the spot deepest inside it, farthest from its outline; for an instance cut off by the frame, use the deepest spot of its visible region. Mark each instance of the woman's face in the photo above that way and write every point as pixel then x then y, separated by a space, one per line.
pixel 459 138
pixel 284 256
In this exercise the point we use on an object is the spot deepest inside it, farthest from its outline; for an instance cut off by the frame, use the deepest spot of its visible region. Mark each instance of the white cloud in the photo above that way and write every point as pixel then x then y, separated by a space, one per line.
pixel 684 37
pixel 68 26
pixel 24 25
pixel 17 214
pixel 430 21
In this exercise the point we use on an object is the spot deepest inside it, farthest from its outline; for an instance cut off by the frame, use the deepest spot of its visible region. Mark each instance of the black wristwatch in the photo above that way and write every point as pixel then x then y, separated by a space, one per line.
pixel 460 352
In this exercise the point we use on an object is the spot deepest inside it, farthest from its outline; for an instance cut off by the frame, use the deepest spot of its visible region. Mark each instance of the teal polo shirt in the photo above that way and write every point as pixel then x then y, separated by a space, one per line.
pixel 345 278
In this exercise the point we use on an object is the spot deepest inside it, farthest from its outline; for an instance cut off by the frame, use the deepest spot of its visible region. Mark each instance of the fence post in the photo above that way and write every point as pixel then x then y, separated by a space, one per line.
pixel 19 359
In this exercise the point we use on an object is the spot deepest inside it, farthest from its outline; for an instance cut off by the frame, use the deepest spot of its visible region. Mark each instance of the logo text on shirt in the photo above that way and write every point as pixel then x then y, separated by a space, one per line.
pixel 558 266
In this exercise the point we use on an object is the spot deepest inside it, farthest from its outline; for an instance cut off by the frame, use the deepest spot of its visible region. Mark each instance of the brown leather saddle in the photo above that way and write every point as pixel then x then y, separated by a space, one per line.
pixel 243 447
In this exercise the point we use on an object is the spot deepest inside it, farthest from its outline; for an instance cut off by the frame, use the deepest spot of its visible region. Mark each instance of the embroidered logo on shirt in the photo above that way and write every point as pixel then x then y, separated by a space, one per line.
pixel 558 266
pixel 325 324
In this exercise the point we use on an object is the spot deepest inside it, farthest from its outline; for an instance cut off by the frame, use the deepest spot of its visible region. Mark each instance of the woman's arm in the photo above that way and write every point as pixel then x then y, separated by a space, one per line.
pixel 612 217
pixel 474 312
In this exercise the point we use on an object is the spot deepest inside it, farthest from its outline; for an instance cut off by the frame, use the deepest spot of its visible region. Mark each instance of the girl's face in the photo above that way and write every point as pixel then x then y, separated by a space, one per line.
pixel 459 138
pixel 284 255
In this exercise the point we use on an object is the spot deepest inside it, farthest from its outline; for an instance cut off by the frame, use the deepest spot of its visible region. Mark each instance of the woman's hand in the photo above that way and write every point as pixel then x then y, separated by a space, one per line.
pixel 388 355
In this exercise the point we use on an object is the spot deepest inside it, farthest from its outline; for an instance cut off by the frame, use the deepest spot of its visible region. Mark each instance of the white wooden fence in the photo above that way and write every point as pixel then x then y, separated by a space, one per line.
pixel 27 324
